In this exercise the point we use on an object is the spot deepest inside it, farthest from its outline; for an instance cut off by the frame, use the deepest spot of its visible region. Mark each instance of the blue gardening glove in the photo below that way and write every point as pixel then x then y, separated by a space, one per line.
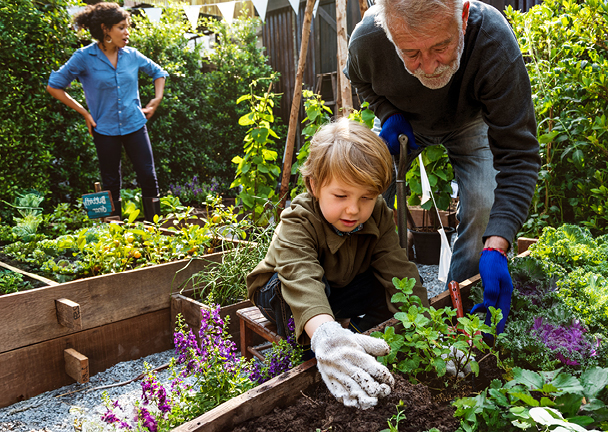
pixel 497 286
pixel 394 126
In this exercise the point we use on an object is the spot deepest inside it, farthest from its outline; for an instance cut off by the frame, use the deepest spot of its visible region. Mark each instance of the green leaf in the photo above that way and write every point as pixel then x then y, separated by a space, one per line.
pixel 530 379
pixel 593 381
pixel 525 398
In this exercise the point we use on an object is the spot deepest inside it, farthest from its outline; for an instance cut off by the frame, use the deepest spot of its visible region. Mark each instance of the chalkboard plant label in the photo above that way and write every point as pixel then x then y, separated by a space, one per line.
pixel 98 204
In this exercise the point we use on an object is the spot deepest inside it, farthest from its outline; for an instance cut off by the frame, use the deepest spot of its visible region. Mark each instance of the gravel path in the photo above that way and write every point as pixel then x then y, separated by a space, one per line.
pixel 78 407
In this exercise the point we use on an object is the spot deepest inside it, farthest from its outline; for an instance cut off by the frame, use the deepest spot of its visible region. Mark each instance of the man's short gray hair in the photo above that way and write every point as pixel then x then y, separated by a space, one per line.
pixel 415 15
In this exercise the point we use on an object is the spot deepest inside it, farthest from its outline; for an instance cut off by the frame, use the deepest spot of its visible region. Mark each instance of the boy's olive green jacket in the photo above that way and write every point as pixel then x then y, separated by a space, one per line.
pixel 305 247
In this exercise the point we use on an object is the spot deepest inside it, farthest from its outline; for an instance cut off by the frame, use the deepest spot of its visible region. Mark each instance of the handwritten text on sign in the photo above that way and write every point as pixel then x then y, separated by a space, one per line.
pixel 98 204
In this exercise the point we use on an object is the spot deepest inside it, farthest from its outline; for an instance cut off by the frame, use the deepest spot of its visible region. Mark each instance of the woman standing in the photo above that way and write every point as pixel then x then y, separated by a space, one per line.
pixel 108 71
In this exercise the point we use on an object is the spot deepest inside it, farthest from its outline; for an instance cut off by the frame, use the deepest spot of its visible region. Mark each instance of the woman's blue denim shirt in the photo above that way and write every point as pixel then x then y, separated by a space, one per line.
pixel 112 93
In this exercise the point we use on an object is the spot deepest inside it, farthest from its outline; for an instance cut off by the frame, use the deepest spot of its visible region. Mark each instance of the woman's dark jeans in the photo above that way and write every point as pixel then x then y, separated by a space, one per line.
pixel 363 301
pixel 139 150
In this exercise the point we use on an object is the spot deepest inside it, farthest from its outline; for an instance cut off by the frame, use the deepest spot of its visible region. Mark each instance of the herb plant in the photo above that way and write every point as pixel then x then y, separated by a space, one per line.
pixel 226 283
pixel 428 339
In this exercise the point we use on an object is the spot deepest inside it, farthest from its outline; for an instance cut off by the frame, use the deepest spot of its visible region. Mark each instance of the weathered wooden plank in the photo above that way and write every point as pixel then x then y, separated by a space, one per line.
pixel 29 371
pixel 443 299
pixel 30 317
pixel 523 243
pixel 68 314
pixel 277 392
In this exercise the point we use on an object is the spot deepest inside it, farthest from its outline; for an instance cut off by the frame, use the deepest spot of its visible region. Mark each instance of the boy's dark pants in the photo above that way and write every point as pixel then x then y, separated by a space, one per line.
pixel 363 301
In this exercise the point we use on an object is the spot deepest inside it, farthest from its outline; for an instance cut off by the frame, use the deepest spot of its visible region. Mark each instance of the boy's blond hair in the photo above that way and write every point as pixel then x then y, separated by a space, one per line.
pixel 350 152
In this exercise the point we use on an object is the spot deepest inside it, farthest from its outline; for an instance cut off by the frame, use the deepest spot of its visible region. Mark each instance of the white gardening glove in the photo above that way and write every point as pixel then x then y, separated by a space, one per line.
pixel 454 357
pixel 348 367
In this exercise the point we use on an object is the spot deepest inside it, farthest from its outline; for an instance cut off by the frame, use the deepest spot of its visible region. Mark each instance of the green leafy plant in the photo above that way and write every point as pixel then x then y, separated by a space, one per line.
pixel 226 284
pixel 564 45
pixel 532 399
pixel 112 248
pixel 256 172
pixel 440 174
pixel 28 207
pixel 397 418
pixel 579 262
pixel 428 337
pixel 317 114
pixel 11 282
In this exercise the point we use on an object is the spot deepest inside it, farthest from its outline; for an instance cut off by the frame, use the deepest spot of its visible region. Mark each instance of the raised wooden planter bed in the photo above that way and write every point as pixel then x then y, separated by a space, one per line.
pixel 55 335
pixel 288 387
pixel 283 390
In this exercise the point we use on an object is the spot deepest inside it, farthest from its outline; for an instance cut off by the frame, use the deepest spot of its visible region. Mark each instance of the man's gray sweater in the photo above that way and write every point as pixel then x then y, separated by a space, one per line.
pixel 492 81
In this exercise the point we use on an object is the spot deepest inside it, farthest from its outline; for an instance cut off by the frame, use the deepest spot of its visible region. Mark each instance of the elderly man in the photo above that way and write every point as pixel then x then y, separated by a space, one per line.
pixel 450 72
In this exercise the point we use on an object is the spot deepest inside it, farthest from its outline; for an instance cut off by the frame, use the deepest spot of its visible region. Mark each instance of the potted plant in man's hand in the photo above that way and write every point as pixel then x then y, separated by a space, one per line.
pixel 427 241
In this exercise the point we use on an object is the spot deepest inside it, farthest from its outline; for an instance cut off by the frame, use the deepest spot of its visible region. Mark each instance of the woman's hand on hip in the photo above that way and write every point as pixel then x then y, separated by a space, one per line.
pixel 150 109
pixel 90 122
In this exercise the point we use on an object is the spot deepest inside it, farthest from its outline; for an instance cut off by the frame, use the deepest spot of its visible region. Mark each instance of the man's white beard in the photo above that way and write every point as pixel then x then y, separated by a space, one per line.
pixel 443 74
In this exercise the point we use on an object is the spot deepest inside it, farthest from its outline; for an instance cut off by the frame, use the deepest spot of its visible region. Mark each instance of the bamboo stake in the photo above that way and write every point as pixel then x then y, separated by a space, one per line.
pixel 295 105
pixel 346 99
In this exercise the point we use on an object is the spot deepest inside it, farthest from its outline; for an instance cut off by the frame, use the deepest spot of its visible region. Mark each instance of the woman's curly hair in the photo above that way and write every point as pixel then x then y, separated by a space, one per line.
pixel 93 16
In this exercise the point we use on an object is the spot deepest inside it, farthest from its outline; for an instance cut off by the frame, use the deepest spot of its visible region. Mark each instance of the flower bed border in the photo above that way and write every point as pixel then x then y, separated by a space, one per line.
pixel 116 317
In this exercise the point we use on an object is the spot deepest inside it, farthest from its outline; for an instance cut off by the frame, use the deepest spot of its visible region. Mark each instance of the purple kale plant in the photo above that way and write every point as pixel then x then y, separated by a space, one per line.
pixel 568 342
pixel 283 356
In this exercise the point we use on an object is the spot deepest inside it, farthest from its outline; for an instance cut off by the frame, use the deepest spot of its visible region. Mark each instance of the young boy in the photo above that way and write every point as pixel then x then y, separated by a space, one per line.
pixel 333 257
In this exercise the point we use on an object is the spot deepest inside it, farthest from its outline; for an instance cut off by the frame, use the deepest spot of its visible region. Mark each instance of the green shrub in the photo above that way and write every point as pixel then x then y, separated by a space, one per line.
pixel 195 130
pixel 564 43
pixel 43 144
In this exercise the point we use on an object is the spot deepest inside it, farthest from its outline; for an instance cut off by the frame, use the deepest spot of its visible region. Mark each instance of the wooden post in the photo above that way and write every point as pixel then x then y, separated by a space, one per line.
pixel 346 99
pixel 295 105
pixel 76 365
pixel 68 314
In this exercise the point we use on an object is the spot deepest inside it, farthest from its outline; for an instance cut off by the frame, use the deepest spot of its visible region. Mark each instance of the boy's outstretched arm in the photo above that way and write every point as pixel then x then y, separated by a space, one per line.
pixel 347 362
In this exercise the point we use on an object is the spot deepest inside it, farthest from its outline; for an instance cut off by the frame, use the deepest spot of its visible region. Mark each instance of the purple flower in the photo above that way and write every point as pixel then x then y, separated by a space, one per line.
pixel 565 339
pixel 147 420
pixel 109 417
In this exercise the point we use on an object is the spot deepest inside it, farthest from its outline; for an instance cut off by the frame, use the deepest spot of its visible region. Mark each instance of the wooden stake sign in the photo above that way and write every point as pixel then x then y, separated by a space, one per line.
pixel 98 204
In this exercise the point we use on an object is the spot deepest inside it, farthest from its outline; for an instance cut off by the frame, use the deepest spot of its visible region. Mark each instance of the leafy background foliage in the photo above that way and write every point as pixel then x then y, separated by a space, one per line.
pixel 45 146
pixel 564 43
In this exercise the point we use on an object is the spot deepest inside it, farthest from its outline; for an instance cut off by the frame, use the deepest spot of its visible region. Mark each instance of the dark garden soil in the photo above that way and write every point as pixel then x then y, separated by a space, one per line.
pixel 425 406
